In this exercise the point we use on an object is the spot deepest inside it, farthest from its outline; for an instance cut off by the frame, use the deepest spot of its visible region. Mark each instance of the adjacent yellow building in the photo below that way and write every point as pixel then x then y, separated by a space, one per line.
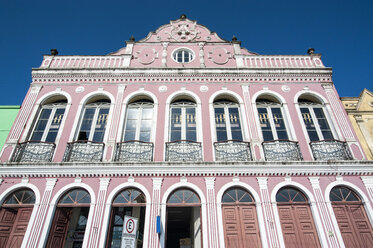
pixel 360 112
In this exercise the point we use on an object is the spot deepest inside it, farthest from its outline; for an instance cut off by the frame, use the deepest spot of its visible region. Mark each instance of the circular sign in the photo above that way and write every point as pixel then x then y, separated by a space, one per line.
pixel 130 225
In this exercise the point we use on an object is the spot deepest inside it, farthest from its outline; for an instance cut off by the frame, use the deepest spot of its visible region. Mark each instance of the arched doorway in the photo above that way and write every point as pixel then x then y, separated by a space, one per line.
pixel 240 221
pixel 183 225
pixel 129 202
pixel 15 214
pixel 296 219
pixel 70 220
pixel 352 219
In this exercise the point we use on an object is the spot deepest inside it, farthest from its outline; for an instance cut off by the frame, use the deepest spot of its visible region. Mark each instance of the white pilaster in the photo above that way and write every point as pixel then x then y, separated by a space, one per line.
pixel 155 211
pixel 41 213
pixel 211 213
pixel 269 220
pixel 328 228
pixel 98 212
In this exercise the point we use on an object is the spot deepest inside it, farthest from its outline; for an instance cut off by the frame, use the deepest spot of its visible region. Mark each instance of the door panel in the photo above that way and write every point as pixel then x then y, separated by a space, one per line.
pixel 7 218
pixel 19 227
pixel 58 231
pixel 297 226
pixel 354 225
pixel 241 228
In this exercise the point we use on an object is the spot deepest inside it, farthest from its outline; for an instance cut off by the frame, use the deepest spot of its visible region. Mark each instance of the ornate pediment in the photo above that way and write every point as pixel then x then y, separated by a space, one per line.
pixel 182 30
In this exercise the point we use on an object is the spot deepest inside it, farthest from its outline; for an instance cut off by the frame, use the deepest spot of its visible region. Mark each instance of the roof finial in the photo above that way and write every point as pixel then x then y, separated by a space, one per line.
pixel 234 38
pixel 54 52
pixel 311 51
pixel 183 17
pixel 132 38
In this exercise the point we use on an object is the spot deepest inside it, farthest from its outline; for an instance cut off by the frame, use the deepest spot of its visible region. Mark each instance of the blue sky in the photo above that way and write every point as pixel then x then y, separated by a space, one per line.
pixel 341 30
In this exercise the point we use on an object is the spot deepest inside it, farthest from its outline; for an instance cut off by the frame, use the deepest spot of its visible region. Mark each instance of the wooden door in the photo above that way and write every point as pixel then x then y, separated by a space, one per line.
pixel 13 226
pixel 354 225
pixel 241 228
pixel 297 226
pixel 58 231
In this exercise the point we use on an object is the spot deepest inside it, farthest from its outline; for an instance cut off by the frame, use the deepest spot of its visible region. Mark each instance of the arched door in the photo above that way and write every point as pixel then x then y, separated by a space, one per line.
pixel 296 219
pixel 352 219
pixel 183 225
pixel 241 229
pixel 15 214
pixel 129 202
pixel 70 220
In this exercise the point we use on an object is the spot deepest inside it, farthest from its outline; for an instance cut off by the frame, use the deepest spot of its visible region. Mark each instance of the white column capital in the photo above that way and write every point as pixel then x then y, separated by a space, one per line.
pixel 104 183
pixel 50 183
pixel 368 181
pixel 157 182
pixel 210 182
pixel 315 181
pixel 263 182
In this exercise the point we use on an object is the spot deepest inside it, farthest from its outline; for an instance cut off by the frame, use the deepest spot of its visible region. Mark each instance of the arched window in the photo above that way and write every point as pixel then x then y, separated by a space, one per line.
pixel 49 121
pixel 94 121
pixel 240 220
pixel 15 214
pixel 314 119
pixel 131 203
pixel 296 219
pixel 183 122
pixel 271 120
pixel 183 56
pixel 183 225
pixel 70 220
pixel 227 120
pixel 351 216
pixel 139 117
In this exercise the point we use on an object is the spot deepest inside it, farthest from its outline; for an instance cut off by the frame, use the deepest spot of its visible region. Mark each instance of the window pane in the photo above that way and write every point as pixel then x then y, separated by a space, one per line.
pixel 41 125
pixel 323 124
pixel 55 125
pixel 85 128
pixel 147 113
pixel 190 122
pixel 310 126
pixel 279 123
pixel 221 131
pixel 132 113
pixel 234 118
pixel 129 136
pixel 265 124
pixel 176 120
pixel 99 130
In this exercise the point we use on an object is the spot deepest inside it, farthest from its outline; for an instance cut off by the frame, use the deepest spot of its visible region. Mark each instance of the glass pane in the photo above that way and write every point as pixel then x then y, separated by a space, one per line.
pixel 279 123
pixel 86 125
pixel 234 118
pixel 265 124
pixel 183 196
pixel 323 124
pixel 190 122
pixel 176 121
pixel 132 113
pixel 76 196
pixel 221 127
pixel 145 136
pixel 22 196
pixel 129 136
pixel 99 129
pixel 41 125
pixel 147 114
pixel 310 126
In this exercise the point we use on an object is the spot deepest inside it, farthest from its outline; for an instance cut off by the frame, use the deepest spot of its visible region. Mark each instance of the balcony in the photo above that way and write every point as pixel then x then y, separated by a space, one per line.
pixel 134 151
pixel 84 151
pixel 33 151
pixel 281 150
pixel 183 150
pixel 330 150
pixel 232 150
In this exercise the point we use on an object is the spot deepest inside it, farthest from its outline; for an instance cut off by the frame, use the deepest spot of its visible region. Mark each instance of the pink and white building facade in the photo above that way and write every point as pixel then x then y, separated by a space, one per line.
pixel 204 142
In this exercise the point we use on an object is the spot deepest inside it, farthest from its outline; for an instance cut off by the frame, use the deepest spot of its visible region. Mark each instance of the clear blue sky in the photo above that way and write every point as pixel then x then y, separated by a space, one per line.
pixel 341 30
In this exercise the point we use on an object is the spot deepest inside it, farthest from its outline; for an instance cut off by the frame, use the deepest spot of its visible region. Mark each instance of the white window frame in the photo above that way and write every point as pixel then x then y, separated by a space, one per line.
pixel 139 105
pixel 268 106
pixel 183 105
pixel 97 105
pixel 175 53
pixel 54 107
pixel 226 105
pixel 311 107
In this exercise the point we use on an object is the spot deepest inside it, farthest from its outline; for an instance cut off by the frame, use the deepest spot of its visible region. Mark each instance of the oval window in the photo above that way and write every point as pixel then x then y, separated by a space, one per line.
pixel 183 56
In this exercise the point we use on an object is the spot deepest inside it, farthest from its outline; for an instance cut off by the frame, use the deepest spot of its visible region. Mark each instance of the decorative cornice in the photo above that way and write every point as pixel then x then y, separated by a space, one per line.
pixel 205 169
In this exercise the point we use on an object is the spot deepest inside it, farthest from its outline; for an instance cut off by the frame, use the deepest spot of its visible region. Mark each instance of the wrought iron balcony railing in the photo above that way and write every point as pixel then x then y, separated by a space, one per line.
pixel 330 150
pixel 134 151
pixel 232 150
pixel 281 150
pixel 84 151
pixel 183 150
pixel 34 151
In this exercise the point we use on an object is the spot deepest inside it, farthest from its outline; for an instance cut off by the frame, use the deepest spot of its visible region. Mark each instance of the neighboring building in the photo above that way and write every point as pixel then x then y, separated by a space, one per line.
pixel 360 112
pixel 198 138
pixel 8 113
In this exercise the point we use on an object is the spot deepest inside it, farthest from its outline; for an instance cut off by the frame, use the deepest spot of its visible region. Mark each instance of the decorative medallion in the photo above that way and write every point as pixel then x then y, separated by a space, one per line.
pixel 203 88
pixel 146 55
pixel 183 31
pixel 162 88
pixel 79 89
pixel 285 88
pixel 220 55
